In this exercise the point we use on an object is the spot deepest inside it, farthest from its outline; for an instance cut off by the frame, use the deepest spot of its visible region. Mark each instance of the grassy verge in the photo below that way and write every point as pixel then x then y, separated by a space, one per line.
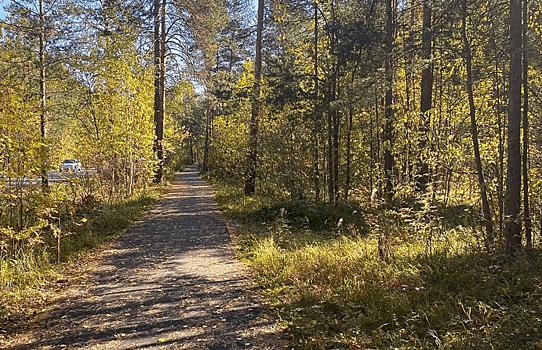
pixel 434 287
pixel 24 273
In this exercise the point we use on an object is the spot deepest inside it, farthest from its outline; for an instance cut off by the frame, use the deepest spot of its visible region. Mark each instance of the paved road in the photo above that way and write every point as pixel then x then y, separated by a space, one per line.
pixel 53 176
pixel 170 282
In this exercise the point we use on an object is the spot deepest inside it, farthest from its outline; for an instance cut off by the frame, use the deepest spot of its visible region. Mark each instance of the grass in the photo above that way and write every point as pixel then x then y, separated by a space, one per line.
pixel 105 222
pixel 23 274
pixel 438 287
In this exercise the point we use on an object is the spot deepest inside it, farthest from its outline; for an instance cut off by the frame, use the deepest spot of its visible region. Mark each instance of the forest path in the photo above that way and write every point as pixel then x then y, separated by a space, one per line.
pixel 170 282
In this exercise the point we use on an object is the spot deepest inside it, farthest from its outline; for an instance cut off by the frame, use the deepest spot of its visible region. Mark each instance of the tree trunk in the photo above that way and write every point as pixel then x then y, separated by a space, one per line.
pixel 250 183
pixel 372 158
pixel 191 149
pixel 348 153
pixel 426 99
pixel 162 84
pixel 525 163
pixel 43 102
pixel 336 145
pixel 388 127
pixel 316 137
pixel 497 79
pixel 207 133
pixel 500 127
pixel 474 129
pixel 513 179
pixel 331 178
pixel 158 93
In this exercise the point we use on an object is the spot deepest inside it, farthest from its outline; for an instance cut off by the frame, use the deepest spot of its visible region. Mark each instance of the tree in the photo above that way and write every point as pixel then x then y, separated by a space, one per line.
pixel 513 178
pixel 39 24
pixel 474 127
pixel 389 109
pixel 159 14
pixel 43 97
pixel 316 116
pixel 250 182
pixel 525 117
pixel 425 97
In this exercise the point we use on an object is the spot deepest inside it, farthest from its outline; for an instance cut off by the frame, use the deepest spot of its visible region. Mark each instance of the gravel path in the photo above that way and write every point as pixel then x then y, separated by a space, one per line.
pixel 170 282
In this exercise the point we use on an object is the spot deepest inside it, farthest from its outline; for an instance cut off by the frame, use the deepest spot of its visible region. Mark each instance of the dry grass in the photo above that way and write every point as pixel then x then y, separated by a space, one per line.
pixel 435 285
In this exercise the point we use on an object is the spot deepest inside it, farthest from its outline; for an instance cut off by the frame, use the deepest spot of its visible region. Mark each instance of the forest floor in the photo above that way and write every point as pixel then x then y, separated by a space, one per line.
pixel 169 282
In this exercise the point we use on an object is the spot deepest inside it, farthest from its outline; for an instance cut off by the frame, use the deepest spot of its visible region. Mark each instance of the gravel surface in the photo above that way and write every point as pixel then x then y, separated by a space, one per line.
pixel 170 282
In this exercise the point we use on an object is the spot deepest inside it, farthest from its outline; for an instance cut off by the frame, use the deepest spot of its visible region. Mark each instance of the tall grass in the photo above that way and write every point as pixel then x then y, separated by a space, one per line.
pixel 436 286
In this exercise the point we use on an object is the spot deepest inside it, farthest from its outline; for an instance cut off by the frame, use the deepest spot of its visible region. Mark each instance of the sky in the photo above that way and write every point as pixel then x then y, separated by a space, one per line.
pixel 2 4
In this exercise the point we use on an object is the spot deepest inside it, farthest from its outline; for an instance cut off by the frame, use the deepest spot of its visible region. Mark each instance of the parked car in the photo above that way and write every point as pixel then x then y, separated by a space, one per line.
pixel 71 165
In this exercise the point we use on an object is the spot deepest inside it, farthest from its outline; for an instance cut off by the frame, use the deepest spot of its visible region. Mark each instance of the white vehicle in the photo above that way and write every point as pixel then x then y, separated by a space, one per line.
pixel 71 165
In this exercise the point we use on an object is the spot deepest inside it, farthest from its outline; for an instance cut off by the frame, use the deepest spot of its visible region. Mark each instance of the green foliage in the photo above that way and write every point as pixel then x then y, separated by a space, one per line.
pixel 291 214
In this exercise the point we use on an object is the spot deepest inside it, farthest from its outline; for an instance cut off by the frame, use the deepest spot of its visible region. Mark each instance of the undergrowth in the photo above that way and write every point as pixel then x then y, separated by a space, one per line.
pixel 66 222
pixel 409 279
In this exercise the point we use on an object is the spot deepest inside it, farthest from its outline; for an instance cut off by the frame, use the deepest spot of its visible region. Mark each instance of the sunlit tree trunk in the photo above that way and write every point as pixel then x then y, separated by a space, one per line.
pixel 513 180
pixel 162 83
pixel 348 152
pixel 336 145
pixel 330 177
pixel 207 132
pixel 316 132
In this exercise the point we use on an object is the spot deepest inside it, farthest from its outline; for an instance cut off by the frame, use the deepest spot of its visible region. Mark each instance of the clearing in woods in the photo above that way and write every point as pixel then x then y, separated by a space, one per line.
pixel 170 282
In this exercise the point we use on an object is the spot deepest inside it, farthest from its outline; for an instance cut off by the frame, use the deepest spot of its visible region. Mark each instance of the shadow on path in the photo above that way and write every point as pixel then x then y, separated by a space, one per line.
pixel 170 282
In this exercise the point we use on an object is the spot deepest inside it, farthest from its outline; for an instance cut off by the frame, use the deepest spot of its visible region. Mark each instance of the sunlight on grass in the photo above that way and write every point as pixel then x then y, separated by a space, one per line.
pixel 437 288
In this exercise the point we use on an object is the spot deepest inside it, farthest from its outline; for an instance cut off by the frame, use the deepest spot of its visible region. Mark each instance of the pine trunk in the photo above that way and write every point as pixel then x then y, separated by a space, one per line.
pixel 158 103
pixel 348 153
pixel 316 136
pixel 207 134
pixel 513 179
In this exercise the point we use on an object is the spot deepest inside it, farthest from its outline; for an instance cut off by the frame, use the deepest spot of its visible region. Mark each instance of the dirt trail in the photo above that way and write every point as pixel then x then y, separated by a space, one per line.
pixel 170 282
